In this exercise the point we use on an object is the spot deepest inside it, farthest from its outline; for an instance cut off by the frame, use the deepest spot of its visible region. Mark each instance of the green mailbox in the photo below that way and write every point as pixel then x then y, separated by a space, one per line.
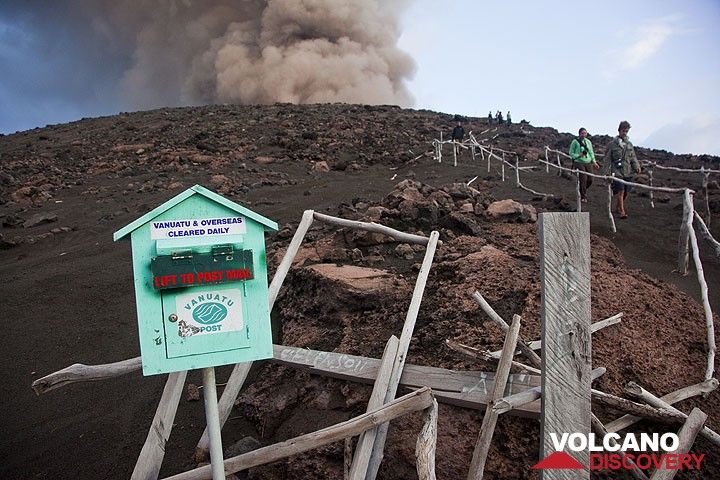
pixel 201 288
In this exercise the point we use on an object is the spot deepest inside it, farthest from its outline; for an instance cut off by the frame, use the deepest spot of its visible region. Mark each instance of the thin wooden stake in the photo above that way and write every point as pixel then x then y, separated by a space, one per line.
pixel 652 198
pixel 487 429
pixel 151 456
pixel 709 321
pixel 529 352
pixel 636 390
pixel 687 435
pixel 671 398
pixel 706 196
pixel 405 337
pixel 364 448
pixel 609 206
pixel 602 431
pixel 213 423
pixel 685 226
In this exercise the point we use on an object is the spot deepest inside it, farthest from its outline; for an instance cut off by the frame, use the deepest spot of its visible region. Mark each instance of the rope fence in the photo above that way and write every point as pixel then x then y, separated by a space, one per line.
pixel 688 245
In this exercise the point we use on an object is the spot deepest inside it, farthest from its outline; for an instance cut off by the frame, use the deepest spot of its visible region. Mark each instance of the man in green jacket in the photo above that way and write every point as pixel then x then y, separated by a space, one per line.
pixel 620 160
pixel 583 157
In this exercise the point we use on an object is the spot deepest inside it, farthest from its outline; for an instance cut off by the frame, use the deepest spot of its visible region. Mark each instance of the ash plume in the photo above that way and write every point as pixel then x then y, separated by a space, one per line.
pixel 184 52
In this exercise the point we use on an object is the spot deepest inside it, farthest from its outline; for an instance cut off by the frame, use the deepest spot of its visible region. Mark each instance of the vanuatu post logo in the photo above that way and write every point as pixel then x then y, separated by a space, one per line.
pixel 211 311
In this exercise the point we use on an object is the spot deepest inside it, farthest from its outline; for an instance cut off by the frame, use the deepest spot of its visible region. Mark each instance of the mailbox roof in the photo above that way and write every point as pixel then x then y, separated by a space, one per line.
pixel 197 189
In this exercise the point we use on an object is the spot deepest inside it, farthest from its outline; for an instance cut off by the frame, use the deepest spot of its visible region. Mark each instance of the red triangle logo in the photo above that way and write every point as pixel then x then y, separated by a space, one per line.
pixel 558 460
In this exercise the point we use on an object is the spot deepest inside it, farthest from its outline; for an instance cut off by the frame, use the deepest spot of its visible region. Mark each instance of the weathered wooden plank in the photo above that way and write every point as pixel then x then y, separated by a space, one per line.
pixel 151 456
pixel 565 324
pixel 487 429
pixel 377 399
pixel 412 402
pixel 687 435
pixel 365 370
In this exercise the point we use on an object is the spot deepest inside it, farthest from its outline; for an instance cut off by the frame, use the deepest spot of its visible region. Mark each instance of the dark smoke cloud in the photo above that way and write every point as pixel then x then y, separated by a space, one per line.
pixel 148 53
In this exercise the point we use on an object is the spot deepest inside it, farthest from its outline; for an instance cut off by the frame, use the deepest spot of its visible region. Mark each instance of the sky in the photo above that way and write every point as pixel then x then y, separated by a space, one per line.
pixel 654 63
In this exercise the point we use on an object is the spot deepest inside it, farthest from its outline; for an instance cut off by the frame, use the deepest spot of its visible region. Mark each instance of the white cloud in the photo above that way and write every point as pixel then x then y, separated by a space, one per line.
pixel 697 134
pixel 652 37
pixel 646 43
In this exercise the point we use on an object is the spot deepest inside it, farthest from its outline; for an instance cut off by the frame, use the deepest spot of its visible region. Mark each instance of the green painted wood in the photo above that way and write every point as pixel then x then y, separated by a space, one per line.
pixel 162 348
pixel 197 189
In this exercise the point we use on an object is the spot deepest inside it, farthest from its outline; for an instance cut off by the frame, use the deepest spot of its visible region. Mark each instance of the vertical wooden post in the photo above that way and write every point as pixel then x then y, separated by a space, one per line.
pixel 685 226
pixel 559 164
pixel 547 161
pixel 609 206
pixel 517 173
pixel 577 191
pixel 652 198
pixel 213 424
pixel 705 181
pixel 440 148
pixel 565 322
pixel 489 155
pixel 472 152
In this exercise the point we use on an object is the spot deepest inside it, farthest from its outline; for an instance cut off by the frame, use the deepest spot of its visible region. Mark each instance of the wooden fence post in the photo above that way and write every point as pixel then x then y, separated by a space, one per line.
pixel 684 240
pixel 566 340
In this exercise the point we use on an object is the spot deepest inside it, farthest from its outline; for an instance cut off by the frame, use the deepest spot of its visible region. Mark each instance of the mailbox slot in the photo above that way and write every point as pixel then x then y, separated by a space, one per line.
pixel 186 268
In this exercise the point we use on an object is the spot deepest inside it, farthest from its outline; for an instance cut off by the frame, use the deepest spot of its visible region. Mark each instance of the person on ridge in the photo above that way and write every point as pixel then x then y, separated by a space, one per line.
pixel 458 134
pixel 507 118
pixel 499 117
pixel 620 160
pixel 583 158
pixel 490 119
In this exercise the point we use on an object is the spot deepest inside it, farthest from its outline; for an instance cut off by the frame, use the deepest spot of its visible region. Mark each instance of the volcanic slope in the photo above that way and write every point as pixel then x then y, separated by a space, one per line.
pixel 67 293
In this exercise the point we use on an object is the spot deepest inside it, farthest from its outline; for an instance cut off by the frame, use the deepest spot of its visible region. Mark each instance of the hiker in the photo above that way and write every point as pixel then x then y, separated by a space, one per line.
pixel 583 158
pixel 620 159
pixel 508 118
pixel 490 117
pixel 499 118
pixel 457 137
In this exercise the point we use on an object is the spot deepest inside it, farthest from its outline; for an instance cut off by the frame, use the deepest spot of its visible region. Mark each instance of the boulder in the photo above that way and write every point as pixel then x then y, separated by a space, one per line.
pixel 357 278
pixel 510 210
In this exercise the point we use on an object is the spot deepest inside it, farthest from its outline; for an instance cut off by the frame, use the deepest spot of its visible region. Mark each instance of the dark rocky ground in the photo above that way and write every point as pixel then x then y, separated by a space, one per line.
pixel 67 293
